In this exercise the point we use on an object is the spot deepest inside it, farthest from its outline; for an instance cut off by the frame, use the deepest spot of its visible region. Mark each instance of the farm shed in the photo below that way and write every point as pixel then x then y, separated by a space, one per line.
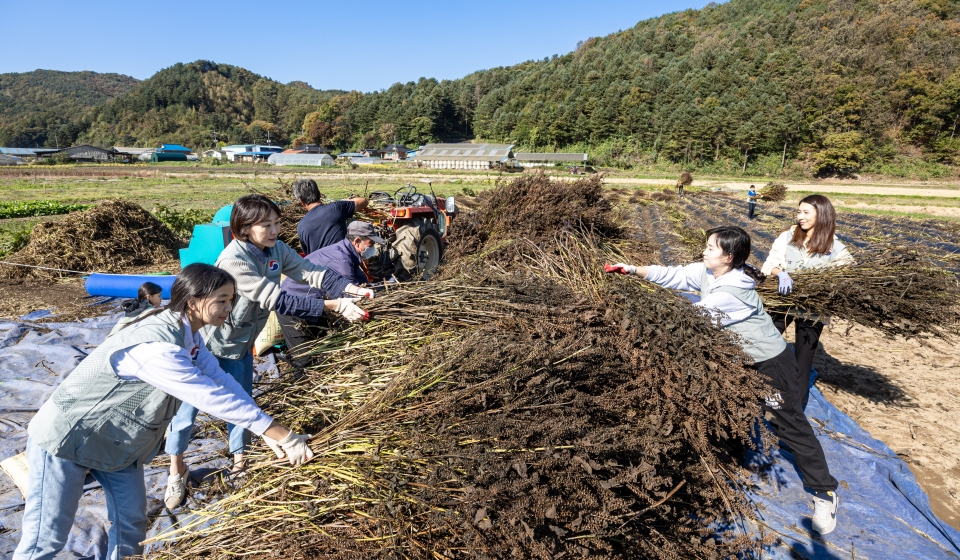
pixel 129 154
pixel 158 157
pixel 35 153
pixel 300 159
pixel 85 152
pixel 235 149
pixel 465 156
pixel 11 160
pixel 532 159
pixel 396 152
pixel 174 148
pixel 215 154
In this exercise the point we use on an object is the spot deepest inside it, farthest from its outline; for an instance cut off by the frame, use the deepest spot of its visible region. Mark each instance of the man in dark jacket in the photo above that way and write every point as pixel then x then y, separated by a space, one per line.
pixel 324 224
pixel 342 258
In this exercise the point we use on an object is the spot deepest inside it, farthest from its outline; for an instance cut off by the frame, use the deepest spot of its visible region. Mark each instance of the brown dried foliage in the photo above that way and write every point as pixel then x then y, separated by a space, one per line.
pixel 773 192
pixel 113 236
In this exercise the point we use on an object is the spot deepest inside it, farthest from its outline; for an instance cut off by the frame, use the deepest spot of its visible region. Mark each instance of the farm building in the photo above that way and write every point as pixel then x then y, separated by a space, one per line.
pixel 529 159
pixel 85 152
pixel 465 156
pixel 372 152
pixel 363 160
pixel 174 148
pixel 129 154
pixel 234 149
pixel 29 153
pixel 396 152
pixel 215 154
pixel 300 159
pixel 307 149
pixel 11 160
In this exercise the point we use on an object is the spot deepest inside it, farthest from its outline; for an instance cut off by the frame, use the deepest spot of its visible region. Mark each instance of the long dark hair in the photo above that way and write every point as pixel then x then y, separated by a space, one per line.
pixel 735 242
pixel 197 280
pixel 823 229
pixel 134 306
pixel 249 210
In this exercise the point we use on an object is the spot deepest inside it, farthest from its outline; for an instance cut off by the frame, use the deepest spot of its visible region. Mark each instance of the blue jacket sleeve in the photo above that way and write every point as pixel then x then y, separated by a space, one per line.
pixel 299 306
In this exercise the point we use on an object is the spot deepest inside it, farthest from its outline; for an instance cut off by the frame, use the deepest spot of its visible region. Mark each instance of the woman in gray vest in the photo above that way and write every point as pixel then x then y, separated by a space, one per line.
pixel 810 244
pixel 726 285
pixel 109 415
pixel 256 259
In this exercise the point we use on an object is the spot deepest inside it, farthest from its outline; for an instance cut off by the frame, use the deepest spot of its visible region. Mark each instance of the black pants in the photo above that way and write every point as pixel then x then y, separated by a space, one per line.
pixel 679 190
pixel 805 346
pixel 783 410
pixel 751 208
pixel 297 331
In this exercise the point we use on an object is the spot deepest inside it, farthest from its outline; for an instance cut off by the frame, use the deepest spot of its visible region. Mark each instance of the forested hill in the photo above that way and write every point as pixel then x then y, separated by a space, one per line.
pixel 835 83
pixel 35 105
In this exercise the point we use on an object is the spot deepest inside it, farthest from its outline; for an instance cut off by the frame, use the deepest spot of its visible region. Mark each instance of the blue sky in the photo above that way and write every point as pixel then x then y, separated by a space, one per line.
pixel 328 45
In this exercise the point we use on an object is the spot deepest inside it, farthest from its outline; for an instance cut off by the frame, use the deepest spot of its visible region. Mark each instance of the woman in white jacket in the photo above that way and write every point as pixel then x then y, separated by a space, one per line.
pixel 810 244
pixel 726 285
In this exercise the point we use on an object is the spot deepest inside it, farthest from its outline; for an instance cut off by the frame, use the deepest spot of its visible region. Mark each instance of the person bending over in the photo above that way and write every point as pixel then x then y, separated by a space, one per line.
pixel 726 284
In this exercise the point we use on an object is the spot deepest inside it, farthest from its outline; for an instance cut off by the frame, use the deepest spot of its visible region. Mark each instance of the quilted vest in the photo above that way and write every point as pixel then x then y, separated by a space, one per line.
pixel 758 337
pixel 102 422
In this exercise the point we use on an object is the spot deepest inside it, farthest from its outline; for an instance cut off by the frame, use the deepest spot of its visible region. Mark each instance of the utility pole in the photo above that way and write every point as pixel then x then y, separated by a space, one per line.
pixel 214 134
pixel 268 137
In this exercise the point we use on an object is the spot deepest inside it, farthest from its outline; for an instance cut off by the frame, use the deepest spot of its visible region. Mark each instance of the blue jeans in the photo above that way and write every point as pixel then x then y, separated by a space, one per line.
pixel 181 427
pixel 53 496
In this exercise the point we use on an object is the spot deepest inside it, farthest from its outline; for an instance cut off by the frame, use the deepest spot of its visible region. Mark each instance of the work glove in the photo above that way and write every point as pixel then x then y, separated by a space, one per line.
pixel 786 283
pixel 621 268
pixel 294 446
pixel 274 446
pixel 348 308
pixel 355 290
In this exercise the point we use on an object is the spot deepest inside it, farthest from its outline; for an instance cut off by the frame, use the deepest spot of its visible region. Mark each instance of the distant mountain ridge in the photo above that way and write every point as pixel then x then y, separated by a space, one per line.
pixel 42 103
pixel 746 83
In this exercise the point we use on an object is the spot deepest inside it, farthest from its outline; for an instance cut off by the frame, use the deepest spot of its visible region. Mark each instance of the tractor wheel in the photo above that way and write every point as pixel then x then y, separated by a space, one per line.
pixel 420 249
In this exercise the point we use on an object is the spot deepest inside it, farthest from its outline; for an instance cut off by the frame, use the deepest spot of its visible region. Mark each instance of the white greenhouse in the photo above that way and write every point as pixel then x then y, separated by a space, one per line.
pixel 301 159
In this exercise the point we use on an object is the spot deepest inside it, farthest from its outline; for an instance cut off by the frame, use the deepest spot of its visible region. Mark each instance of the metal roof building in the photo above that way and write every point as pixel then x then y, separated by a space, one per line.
pixel 11 160
pixel 86 152
pixel 532 159
pixel 465 156
pixel 28 152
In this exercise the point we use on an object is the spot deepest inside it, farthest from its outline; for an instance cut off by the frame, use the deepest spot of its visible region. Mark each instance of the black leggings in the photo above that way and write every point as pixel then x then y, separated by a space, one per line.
pixel 783 410
pixel 297 331
pixel 804 348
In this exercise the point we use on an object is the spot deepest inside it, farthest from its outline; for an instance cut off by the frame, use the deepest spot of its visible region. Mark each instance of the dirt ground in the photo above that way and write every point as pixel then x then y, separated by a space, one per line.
pixel 905 394
pixel 945 211
pixel 66 297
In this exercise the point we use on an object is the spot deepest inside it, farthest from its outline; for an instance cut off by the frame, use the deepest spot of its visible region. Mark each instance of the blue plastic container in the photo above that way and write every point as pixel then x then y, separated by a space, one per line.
pixel 125 285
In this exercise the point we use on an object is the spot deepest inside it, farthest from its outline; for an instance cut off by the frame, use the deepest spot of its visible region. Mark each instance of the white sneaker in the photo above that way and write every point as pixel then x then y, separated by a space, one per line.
pixel 825 513
pixel 176 490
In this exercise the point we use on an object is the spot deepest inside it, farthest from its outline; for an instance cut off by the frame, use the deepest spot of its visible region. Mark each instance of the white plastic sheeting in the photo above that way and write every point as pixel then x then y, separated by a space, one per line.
pixel 301 159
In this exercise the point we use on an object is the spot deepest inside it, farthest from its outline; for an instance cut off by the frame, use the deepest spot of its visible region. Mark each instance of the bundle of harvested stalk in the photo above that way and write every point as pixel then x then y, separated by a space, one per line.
pixel 773 192
pixel 524 405
pixel 685 180
pixel 898 294
pixel 663 196
pixel 549 410
pixel 110 237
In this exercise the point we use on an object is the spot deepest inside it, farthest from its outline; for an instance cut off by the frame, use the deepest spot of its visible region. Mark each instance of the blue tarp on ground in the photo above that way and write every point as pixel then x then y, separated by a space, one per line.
pixel 884 514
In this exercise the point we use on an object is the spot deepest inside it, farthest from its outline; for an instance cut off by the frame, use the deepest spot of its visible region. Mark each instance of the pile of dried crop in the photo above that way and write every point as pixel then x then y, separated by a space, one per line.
pixel 773 192
pixel 110 237
pixel 897 293
pixel 685 180
pixel 527 407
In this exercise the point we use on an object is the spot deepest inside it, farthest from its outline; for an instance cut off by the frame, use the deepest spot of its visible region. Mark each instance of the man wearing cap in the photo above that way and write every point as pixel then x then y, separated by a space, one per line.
pixel 342 258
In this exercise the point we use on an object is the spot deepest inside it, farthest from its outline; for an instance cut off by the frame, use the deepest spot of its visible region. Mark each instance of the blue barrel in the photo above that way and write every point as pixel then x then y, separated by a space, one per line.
pixel 125 285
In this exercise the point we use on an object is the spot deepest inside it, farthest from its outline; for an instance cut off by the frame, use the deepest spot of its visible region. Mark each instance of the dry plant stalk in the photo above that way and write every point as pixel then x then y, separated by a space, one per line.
pixel 773 192
pixel 898 294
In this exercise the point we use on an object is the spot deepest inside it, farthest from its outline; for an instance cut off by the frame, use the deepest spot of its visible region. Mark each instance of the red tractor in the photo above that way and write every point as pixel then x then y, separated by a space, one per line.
pixel 415 226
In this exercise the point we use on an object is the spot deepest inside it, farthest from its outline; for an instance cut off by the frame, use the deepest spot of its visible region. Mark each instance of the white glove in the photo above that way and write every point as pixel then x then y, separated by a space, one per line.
pixel 627 268
pixel 296 447
pixel 355 290
pixel 274 446
pixel 348 308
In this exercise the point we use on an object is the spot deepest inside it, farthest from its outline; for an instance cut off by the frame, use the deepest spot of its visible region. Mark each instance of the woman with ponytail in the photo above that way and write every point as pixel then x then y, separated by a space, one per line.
pixel 148 297
pixel 726 284
pixel 809 244
pixel 109 415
